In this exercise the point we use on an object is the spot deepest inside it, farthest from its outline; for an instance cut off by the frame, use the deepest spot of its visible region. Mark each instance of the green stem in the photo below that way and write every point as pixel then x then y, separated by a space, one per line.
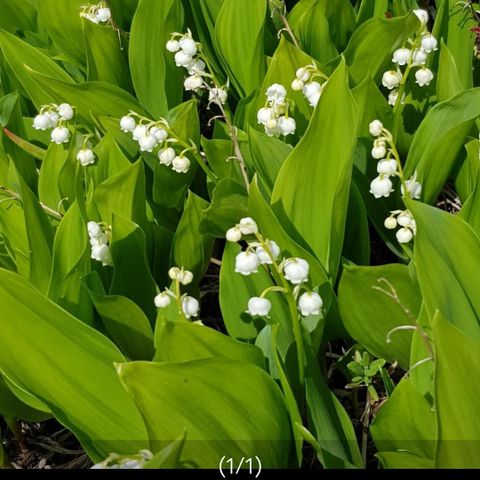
pixel 178 298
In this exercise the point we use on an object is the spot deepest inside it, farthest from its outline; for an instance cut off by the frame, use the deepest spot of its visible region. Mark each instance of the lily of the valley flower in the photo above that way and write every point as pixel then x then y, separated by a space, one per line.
pixel 381 186
pixel 265 257
pixel 246 263
pixel 310 303
pixel 423 76
pixel 391 79
pixel 258 306
pixel 296 270
pixel 86 157
pixel 414 187
pixel 99 239
pixel 60 135
pixel 274 117
pixel 190 306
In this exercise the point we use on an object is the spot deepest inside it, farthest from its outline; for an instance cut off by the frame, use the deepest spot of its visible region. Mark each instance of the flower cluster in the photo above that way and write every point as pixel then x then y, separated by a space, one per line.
pixel 154 135
pixel 388 166
pixel 404 219
pixel 413 55
pixel 55 117
pixel 266 252
pixel 188 54
pixel 99 239
pixel 274 115
pixel 99 13
pixel 187 306
pixel 304 82
pixel 116 461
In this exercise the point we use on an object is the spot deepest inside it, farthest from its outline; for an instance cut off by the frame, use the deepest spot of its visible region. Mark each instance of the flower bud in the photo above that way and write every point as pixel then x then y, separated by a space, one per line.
pixel 287 125
pixel 387 167
pixel 379 152
pixel 127 124
pixel 60 135
pixel 104 15
pixel 248 226
pixel 86 157
pixel 162 300
pixel 404 219
pixel 41 122
pixel 65 111
pixel 166 155
pixel 180 164
pixel 182 59
pixel 188 46
pixel 264 256
pixel 422 15
pixel 233 234
pixel 194 83
pixel 264 115
pixel 402 56
pixel 310 303
pixel 259 306
pixel 185 277
pixel 390 223
pixel 217 95
pixel 297 85
pixel 276 93
pixel 295 270
pixel 190 306
pixel 423 76
pixel 246 263
pixel 381 186
pixel 429 43
pixel 391 79
pixel 302 74
pixel 375 128
pixel 159 133
pixel 173 46
pixel 404 235
pixel 173 273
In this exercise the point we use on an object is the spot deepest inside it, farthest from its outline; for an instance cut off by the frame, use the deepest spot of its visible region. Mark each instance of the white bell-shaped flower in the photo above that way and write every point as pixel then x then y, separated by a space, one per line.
pixel 41 122
pixel 276 93
pixel 193 83
pixel 94 229
pixel 248 226
pixel 387 167
pixel 139 131
pixel 172 46
pixel 65 111
pixel 404 235
pixel 422 15
pixel 287 125
pixel 264 256
pixel 101 253
pixel 375 128
pixel 414 187
pixel 258 306
pixel 166 155
pixel 159 133
pixel 297 85
pixel 182 59
pixel 295 270
pixel 310 303
pixel 390 223
pixel 60 135
pixel 311 88
pixel 218 96
pixel 391 79
pixel 86 157
pixel 185 277
pixel 379 151
pixel 264 115
pixel 419 56
pixel 127 124
pixel 162 300
pixel 429 43
pixel 190 306
pixel 302 74
pixel 404 219
pixel 180 164
pixel 196 66
pixel 246 263
pixel 423 76
pixel 402 56
pixel 104 14
pixel 52 118
pixel 381 186
pixel 188 46
pixel 233 234
pixel 148 142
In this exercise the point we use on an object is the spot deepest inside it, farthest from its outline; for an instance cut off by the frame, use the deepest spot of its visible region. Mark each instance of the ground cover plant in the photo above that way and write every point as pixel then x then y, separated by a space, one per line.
pixel 239 233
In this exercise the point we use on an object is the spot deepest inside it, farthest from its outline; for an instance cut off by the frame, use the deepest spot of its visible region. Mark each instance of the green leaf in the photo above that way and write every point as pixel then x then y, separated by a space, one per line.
pixel 124 321
pixel 457 362
pixel 106 59
pixel 249 417
pixel 185 341
pixel 63 24
pixel 323 180
pixel 131 276
pixel 170 456
pixel 18 16
pixel 239 42
pixel 405 423
pixel 18 55
pixel 439 140
pixel 405 460
pixel 369 9
pixel 449 276
pixel 375 300
pixel 363 55
pixel 448 81
pixel 147 40
pixel 73 374
pixel 30 148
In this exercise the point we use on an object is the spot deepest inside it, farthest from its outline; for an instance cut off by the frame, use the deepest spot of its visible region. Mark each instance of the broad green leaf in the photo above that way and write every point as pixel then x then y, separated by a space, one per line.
pixel 63 24
pixel 369 9
pixel 452 25
pixel 466 178
pixel 268 155
pixel 106 59
pixel 192 249
pixel 170 456
pixel 404 460
pixel 448 266
pixel 90 98
pixel 20 54
pixel 341 18
pixel 405 423
pixel 238 39
pixel 131 276
pixel 329 421
pixel 74 373
pixel 185 341
pixel 30 148
pixel 363 55
pixel 123 12
pixel 439 140
pixel 18 16
pixel 448 80
pixel 318 172
pixel 249 417
pixel 124 321
pixel 147 41
pixel 457 362
pixel 375 300
pixel 40 238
